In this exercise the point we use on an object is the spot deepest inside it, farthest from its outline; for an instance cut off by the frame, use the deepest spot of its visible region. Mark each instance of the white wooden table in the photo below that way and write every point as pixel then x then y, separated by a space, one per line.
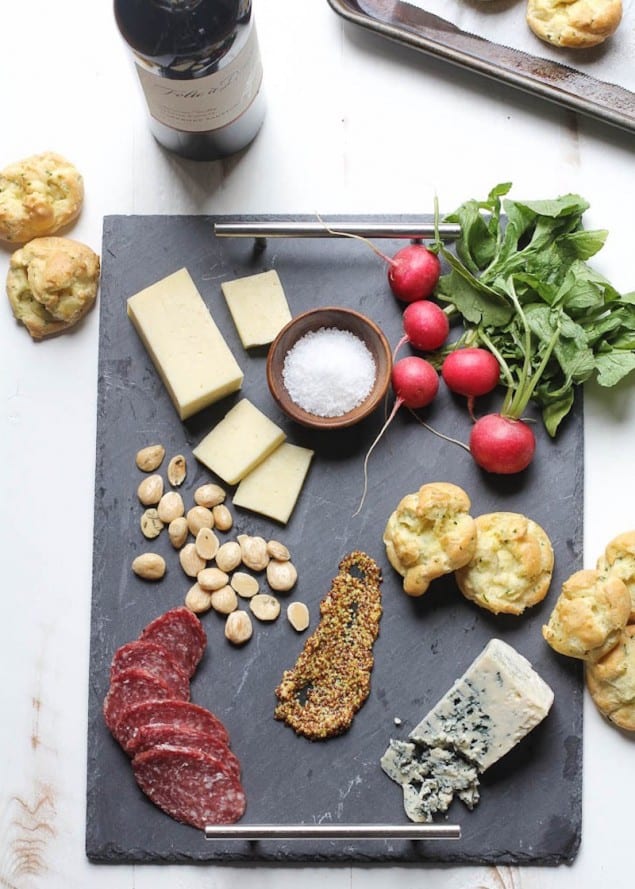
pixel 354 125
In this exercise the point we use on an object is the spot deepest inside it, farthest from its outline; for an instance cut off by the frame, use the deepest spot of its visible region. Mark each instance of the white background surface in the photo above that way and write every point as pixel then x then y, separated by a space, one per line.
pixel 354 125
pixel 503 22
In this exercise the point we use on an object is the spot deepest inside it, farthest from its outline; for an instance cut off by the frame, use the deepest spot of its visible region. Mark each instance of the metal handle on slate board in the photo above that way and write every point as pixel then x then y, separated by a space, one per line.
pixel 447 230
pixel 333 832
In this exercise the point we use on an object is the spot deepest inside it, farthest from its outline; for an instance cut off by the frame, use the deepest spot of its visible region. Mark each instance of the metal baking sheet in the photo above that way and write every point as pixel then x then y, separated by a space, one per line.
pixel 431 34
pixel 530 810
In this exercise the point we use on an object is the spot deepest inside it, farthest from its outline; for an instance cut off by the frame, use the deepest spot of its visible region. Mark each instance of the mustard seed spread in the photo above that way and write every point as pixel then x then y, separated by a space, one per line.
pixel 330 681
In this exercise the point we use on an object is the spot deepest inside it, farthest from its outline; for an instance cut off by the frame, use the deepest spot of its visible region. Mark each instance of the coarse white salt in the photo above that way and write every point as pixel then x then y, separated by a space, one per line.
pixel 328 372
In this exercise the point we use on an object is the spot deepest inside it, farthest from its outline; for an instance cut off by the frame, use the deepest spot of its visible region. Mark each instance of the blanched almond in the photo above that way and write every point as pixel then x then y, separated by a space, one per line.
pixel 224 600
pixel 199 517
pixel 170 507
pixel 265 607
pixel 178 531
pixel 209 495
pixel 228 556
pixel 278 551
pixel 206 544
pixel 212 578
pixel 222 517
pixel 150 490
pixel 149 566
pixel 238 627
pixel 151 524
pixel 177 470
pixel 254 551
pixel 281 576
pixel 246 585
pixel 198 600
pixel 298 616
pixel 150 458
pixel 190 560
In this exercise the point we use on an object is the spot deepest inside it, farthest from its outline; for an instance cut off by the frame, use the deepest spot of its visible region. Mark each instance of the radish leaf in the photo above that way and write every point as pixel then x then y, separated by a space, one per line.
pixel 521 284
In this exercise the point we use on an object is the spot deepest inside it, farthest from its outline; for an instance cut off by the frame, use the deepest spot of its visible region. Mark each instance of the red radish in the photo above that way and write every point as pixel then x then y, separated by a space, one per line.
pixel 426 326
pixel 413 273
pixel 502 444
pixel 415 383
pixel 471 372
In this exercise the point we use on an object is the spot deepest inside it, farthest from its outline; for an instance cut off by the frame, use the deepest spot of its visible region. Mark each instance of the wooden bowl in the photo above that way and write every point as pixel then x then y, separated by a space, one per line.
pixel 342 319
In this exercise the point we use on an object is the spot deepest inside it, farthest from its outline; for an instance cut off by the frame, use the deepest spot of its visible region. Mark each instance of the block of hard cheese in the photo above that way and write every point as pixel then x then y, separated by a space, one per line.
pixel 498 700
pixel 273 487
pixel 186 347
pixel 258 306
pixel 242 440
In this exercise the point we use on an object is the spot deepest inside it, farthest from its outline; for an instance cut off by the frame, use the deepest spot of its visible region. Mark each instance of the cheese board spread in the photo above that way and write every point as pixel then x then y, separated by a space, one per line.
pixel 529 809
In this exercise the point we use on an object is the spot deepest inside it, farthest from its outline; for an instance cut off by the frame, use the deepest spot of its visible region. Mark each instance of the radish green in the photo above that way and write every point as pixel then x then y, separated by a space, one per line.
pixel 521 283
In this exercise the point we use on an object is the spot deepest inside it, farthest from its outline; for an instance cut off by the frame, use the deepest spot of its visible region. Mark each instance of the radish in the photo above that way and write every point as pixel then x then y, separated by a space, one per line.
pixel 471 372
pixel 413 273
pixel 426 326
pixel 415 384
pixel 502 444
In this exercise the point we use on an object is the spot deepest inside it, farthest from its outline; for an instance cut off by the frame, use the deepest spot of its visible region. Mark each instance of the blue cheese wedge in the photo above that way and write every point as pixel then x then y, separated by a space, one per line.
pixel 494 705
pixel 187 348
pixel 498 700
pixel 430 777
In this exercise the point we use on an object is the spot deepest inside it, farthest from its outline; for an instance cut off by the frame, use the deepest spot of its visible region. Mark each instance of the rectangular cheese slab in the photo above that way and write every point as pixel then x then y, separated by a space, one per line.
pixel 499 699
pixel 186 347
pixel 273 487
pixel 242 440
pixel 258 306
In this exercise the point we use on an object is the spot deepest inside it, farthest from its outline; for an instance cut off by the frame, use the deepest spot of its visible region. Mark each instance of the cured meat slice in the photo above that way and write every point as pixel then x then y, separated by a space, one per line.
pixel 191 786
pixel 131 687
pixel 181 633
pixel 179 714
pixel 160 733
pixel 154 659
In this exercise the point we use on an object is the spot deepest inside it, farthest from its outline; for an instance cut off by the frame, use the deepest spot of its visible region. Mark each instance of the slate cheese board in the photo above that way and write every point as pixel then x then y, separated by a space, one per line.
pixel 530 808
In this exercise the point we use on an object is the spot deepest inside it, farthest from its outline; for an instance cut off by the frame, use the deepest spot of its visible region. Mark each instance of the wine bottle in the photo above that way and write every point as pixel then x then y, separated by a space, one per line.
pixel 199 65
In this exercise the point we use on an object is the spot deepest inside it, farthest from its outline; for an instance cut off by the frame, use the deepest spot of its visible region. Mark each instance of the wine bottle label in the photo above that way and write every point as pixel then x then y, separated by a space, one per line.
pixel 205 103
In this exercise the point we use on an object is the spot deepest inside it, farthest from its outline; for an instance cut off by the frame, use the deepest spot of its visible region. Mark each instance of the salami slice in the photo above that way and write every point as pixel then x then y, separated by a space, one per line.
pixel 181 633
pixel 178 714
pixel 131 687
pixel 160 733
pixel 154 659
pixel 191 786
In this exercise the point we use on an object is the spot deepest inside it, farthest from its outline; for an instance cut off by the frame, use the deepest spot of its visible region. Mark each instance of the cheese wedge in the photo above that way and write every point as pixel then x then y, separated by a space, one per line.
pixel 242 440
pixel 491 708
pixel 498 700
pixel 187 348
pixel 273 487
pixel 258 306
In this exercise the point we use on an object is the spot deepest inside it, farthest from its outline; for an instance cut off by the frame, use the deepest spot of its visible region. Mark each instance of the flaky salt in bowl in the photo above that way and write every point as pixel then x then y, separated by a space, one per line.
pixel 329 367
